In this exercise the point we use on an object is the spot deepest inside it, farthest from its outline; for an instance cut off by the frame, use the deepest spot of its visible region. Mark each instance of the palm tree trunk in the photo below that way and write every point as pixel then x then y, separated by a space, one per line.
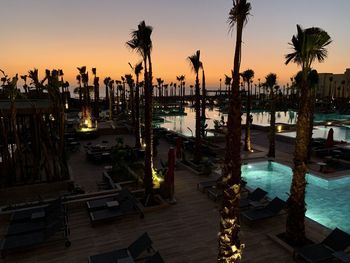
pixel 230 223
pixel 137 115
pixel 203 103
pixel 132 104
pixel 148 180
pixel 247 142
pixel 295 225
pixel 312 110
pixel 198 152
pixel 272 133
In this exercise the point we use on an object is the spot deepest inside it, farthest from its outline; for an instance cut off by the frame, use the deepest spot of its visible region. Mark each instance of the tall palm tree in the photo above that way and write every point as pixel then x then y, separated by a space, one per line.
pixel 308 45
pixel 106 81
pixel 228 81
pixel 230 247
pixel 204 98
pixel 196 65
pixel 137 70
pixel 96 93
pixel 248 75
pixel 25 86
pixel 141 42
pixel 313 80
pixel 78 78
pixel 270 84
pixel 131 83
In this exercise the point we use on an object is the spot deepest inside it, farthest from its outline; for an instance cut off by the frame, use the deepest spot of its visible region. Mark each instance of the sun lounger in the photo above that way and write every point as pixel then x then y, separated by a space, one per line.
pixel 135 250
pixel 202 186
pixel 156 258
pixel 254 196
pixel 30 239
pixel 38 213
pixel 273 208
pixel 325 251
pixel 123 204
pixel 101 203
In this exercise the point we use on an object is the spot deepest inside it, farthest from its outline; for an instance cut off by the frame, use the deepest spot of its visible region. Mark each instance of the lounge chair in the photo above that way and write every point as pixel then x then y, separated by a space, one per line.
pixel 30 239
pixel 135 250
pixel 38 213
pixel 254 196
pixel 336 241
pixel 101 203
pixel 273 208
pixel 202 186
pixel 156 258
pixel 123 204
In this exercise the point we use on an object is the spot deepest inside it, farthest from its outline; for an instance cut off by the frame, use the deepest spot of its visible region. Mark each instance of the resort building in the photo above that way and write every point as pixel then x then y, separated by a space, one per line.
pixel 334 85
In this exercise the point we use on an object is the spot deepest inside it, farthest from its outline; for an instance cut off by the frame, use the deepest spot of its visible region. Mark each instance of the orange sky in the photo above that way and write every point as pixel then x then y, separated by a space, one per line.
pixel 67 34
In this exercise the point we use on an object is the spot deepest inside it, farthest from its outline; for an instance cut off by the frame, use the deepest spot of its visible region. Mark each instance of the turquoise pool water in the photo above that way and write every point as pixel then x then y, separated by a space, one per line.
pixel 328 201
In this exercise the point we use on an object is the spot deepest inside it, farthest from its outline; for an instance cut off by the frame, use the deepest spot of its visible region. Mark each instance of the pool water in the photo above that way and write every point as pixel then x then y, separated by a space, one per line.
pixel 328 201
pixel 341 133
pixel 184 124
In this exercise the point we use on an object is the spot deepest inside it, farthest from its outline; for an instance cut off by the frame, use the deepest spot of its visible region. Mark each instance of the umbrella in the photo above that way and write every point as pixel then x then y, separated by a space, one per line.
pixel 330 139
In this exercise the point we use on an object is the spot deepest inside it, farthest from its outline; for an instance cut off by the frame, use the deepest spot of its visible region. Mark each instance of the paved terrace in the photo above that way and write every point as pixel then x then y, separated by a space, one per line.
pixel 185 232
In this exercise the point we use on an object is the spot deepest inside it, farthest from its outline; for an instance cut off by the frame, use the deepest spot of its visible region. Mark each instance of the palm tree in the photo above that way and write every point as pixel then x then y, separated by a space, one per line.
pixel 78 78
pixel 230 247
pixel 247 77
pixel 130 82
pixel 196 65
pixel 25 86
pixel 106 81
pixel 137 70
pixel 204 95
pixel 96 93
pixel 330 88
pixel 228 83
pixel 313 80
pixel 308 45
pixel 111 97
pixel 270 84
pixel 142 43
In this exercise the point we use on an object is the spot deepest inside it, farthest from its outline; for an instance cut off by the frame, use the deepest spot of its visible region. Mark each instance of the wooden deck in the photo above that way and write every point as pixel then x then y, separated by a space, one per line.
pixel 184 232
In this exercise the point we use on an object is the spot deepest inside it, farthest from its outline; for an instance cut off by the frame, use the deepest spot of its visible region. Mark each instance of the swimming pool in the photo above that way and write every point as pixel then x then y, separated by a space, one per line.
pixel 341 133
pixel 328 201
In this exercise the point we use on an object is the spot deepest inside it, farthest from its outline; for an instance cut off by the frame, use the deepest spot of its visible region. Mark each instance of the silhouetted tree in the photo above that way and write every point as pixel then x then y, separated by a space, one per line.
pixel 270 84
pixel 230 247
pixel 308 44
pixel 196 65
pixel 247 76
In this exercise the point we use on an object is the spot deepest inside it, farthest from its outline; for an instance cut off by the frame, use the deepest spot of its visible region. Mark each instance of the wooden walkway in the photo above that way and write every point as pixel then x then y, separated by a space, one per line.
pixel 184 232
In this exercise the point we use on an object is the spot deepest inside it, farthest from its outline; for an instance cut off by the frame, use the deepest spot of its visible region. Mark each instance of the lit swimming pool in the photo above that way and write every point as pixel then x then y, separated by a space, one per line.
pixel 328 202
pixel 341 133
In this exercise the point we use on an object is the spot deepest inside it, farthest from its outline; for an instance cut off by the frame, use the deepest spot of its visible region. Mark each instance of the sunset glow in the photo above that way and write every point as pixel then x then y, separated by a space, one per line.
pixel 67 34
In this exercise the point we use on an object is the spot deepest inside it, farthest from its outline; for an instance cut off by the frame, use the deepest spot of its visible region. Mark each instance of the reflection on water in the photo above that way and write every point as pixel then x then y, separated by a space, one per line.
pixel 186 124
pixel 340 133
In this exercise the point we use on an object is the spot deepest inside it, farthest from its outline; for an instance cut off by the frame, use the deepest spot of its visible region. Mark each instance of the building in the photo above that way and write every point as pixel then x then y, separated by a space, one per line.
pixel 334 85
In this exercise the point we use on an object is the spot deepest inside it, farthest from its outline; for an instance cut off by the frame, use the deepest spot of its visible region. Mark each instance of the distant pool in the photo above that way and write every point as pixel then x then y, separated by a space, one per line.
pixel 328 201
pixel 341 133
pixel 186 124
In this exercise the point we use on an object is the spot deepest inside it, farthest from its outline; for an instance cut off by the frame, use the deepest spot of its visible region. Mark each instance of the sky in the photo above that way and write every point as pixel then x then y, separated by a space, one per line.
pixel 67 34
